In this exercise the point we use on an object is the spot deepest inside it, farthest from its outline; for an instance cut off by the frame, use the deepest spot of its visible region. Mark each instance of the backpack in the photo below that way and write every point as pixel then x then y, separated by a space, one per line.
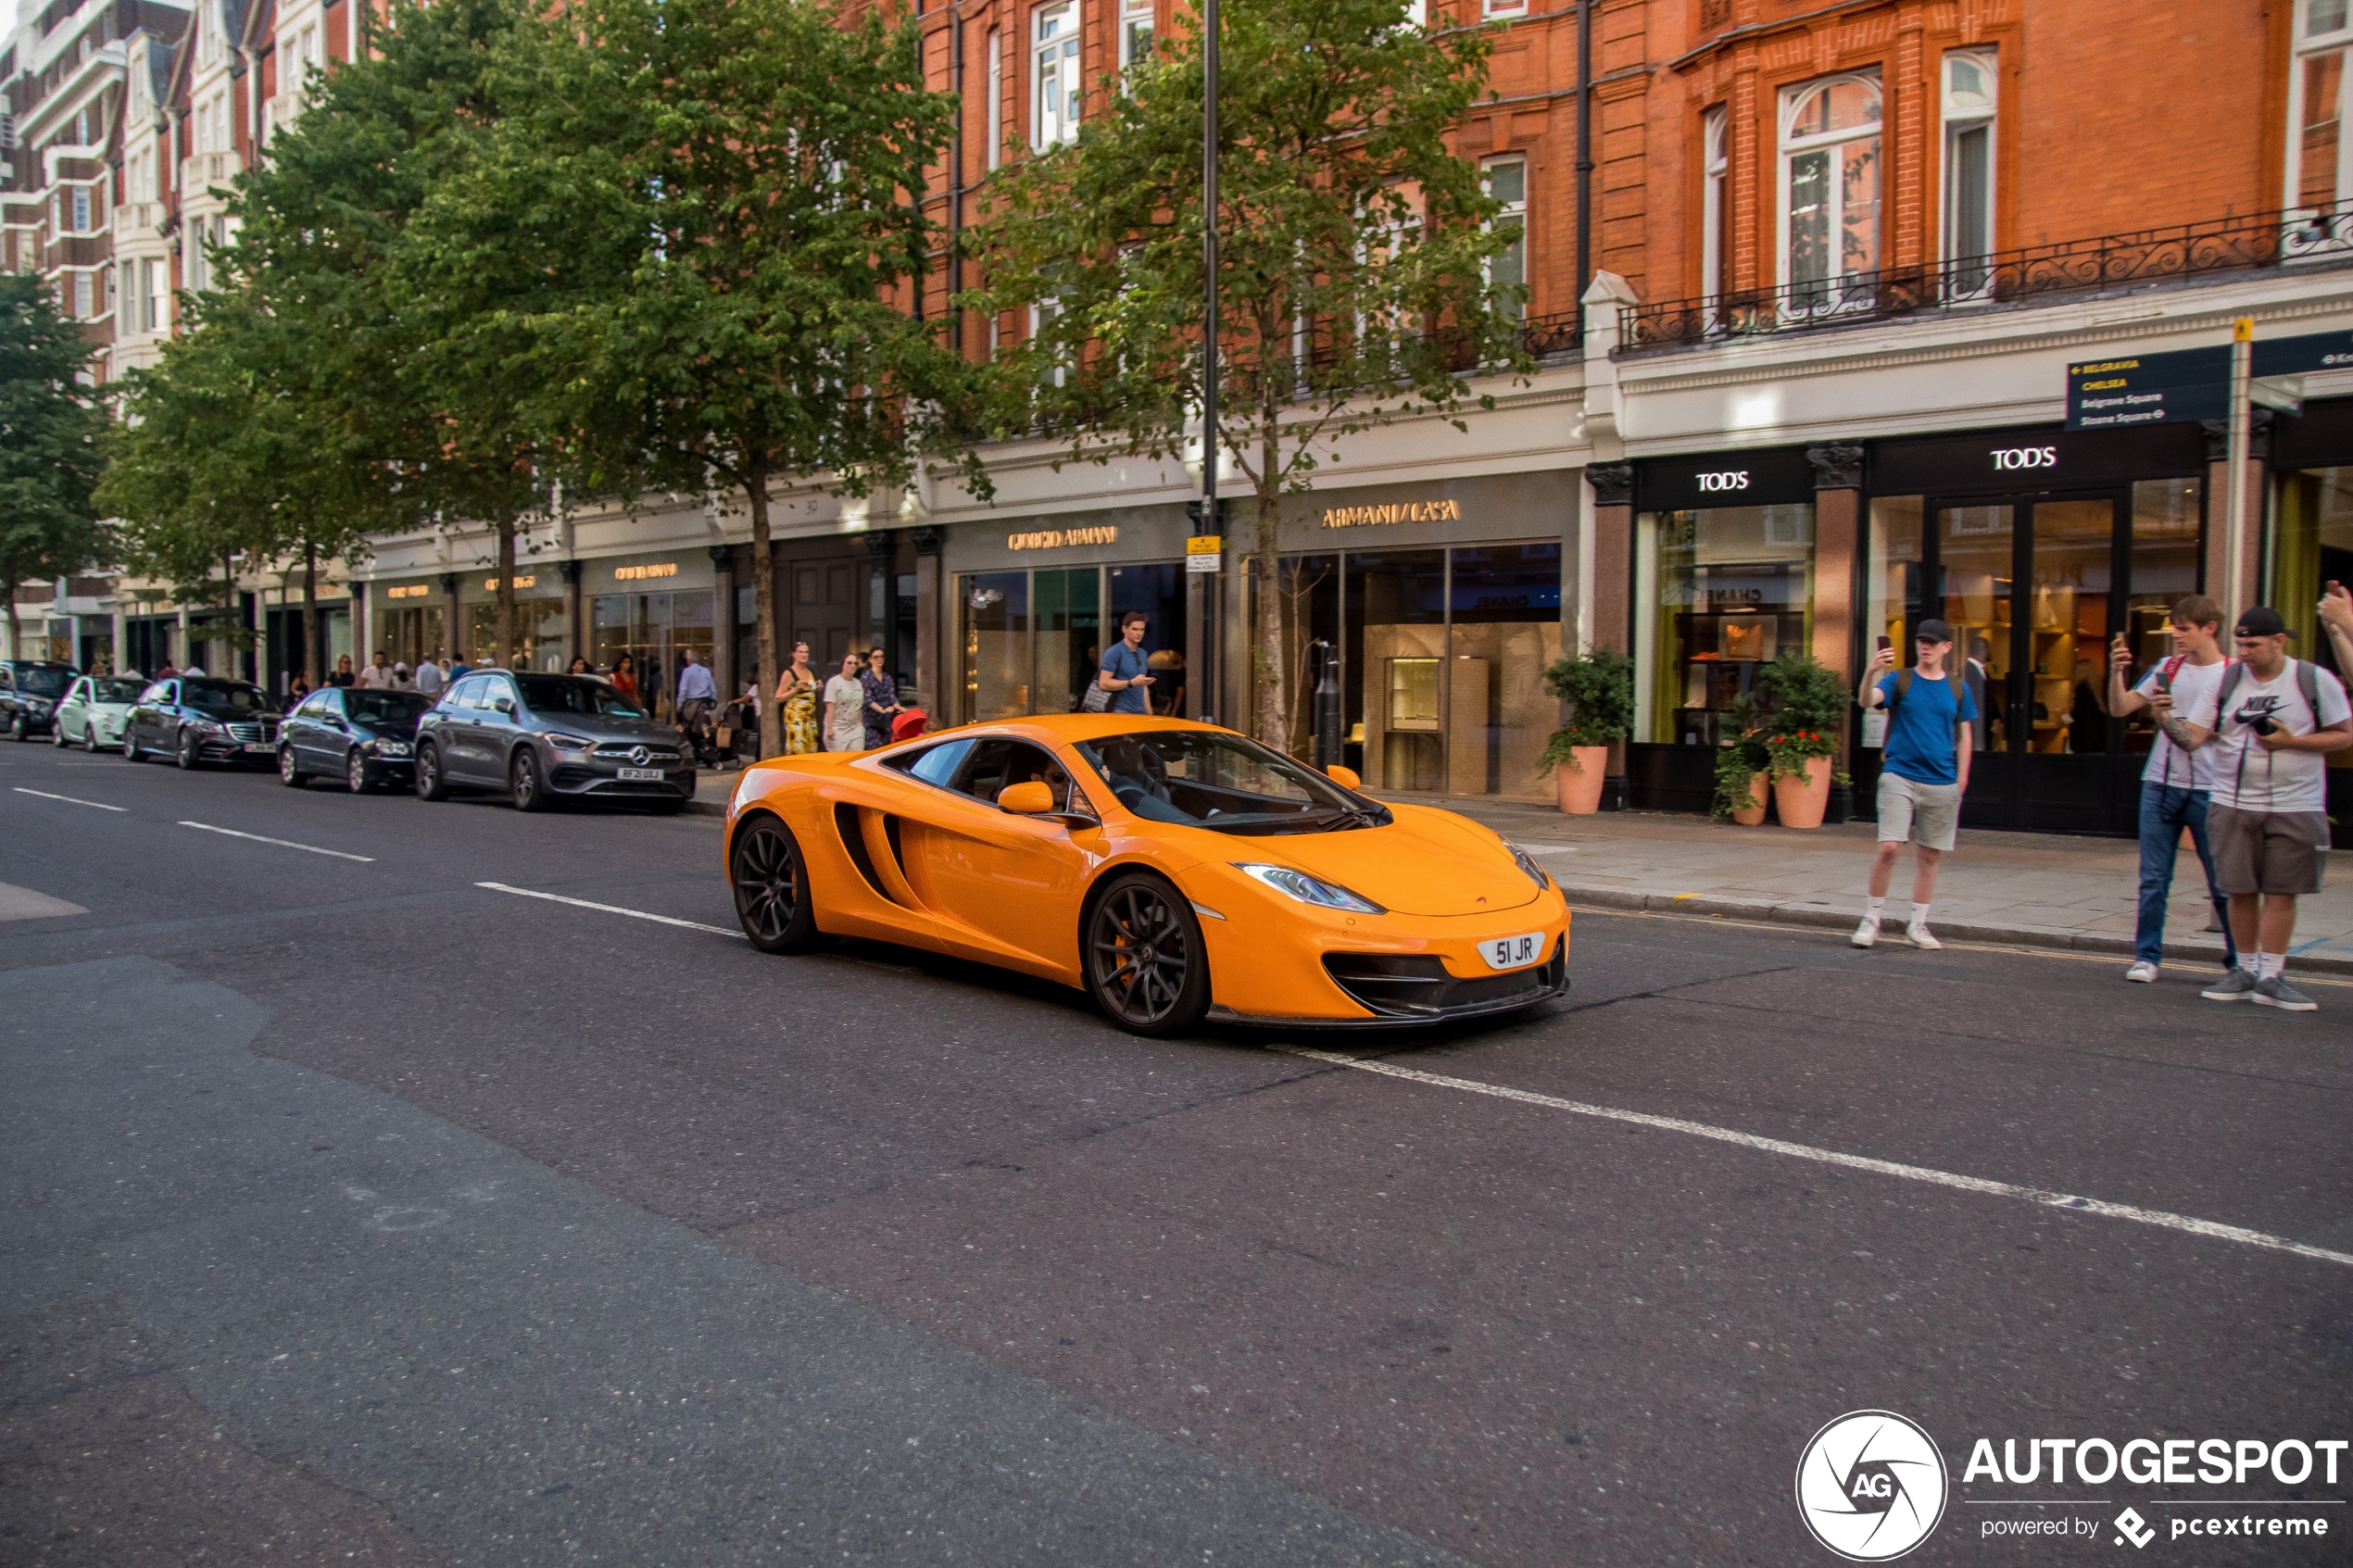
pixel 1904 685
pixel 2308 686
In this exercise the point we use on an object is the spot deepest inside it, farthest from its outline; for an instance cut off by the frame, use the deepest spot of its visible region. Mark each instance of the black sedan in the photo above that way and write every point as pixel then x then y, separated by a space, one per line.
pixel 30 692
pixel 542 738
pixel 362 737
pixel 199 719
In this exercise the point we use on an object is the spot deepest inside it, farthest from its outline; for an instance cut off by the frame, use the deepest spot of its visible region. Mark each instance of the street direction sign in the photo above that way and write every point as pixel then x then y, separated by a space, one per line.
pixel 2301 356
pixel 2148 389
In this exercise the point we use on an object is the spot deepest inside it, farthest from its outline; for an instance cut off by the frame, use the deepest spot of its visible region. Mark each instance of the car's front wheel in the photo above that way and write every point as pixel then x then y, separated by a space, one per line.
pixel 771 887
pixel 525 783
pixel 130 743
pixel 288 774
pixel 19 730
pixel 354 772
pixel 1144 961
pixel 191 750
pixel 430 785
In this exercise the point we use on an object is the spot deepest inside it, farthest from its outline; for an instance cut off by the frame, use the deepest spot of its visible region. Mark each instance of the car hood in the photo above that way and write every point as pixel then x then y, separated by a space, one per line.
pixel 597 727
pixel 1425 862
pixel 388 729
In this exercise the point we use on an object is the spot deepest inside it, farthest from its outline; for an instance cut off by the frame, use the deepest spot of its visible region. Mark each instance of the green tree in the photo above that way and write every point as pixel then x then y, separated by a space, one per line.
pixel 755 158
pixel 1353 259
pixel 51 427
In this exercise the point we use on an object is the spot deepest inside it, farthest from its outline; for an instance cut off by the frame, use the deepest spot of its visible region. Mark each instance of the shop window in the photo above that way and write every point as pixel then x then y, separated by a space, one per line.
pixel 2313 544
pixel 1830 191
pixel 1970 85
pixel 540 631
pixel 1135 31
pixel 1506 181
pixel 1719 592
pixel 1716 189
pixel 653 631
pixel 1053 112
pixel 1394 617
pixel 1504 628
pixel 1891 589
pixel 997 661
pixel 2316 173
pixel 1067 622
pixel 2165 567
pixel 1158 591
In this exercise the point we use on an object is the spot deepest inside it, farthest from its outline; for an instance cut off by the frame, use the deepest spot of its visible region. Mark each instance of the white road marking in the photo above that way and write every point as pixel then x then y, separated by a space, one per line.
pixel 2209 1229
pixel 282 842
pixel 614 910
pixel 23 903
pixel 71 800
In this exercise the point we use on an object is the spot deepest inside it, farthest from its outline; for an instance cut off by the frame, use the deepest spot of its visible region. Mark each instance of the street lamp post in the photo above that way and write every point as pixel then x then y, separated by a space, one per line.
pixel 1210 522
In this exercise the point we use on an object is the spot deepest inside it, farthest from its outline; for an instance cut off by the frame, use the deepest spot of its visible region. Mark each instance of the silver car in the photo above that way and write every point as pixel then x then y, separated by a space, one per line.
pixel 92 710
pixel 544 738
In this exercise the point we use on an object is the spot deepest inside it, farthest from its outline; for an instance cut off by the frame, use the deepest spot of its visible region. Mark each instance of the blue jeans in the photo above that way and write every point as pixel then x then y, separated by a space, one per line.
pixel 2165 811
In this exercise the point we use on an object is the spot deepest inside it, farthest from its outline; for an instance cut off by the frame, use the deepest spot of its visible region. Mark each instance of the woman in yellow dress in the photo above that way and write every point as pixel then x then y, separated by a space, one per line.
pixel 797 699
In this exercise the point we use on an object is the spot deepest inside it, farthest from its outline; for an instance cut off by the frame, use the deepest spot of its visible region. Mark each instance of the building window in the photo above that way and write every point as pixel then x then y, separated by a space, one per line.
pixel 85 307
pixel 1968 166
pixel 1714 204
pixel 1507 270
pixel 1505 7
pixel 151 295
pixel 1718 591
pixel 995 100
pixel 2317 175
pixel 1054 118
pixel 82 224
pixel 1830 188
pixel 1135 31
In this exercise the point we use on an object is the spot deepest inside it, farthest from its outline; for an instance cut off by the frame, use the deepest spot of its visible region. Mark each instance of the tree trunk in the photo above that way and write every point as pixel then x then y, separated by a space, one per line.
pixel 313 665
pixel 763 596
pixel 1267 660
pixel 504 635
pixel 16 647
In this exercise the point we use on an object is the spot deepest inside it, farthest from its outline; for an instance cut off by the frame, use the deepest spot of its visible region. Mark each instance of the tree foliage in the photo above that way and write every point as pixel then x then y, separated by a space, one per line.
pixel 51 454
pixel 1352 255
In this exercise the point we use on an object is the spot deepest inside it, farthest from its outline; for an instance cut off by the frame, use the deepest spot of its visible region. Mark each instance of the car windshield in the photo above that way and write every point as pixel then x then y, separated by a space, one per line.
pixel 43 682
pixel 576 693
pixel 385 708
pixel 232 697
pixel 1222 781
pixel 115 688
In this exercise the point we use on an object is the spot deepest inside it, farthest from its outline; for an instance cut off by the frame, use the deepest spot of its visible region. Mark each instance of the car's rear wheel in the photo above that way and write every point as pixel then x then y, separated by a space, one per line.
pixel 288 774
pixel 354 772
pixel 430 785
pixel 771 887
pixel 523 781
pixel 1145 964
pixel 90 738
pixel 57 735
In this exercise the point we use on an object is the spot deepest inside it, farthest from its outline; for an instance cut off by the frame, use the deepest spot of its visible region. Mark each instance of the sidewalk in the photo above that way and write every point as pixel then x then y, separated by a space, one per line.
pixel 2041 889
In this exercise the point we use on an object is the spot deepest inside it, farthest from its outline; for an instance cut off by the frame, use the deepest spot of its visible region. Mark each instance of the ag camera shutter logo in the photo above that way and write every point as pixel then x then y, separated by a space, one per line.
pixel 1871 1485
pixel 1737 479
pixel 2026 457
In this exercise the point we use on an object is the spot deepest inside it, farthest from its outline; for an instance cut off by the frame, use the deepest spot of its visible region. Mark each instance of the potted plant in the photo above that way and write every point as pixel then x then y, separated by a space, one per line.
pixel 1744 775
pixel 1810 707
pixel 1598 686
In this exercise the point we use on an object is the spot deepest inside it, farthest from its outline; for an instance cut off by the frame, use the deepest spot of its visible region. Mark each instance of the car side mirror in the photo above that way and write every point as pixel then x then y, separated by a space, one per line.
pixel 1344 776
pixel 1031 799
pixel 504 704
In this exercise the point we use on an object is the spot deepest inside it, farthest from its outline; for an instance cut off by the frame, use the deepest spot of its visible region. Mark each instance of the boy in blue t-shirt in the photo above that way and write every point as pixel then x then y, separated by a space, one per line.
pixel 1923 771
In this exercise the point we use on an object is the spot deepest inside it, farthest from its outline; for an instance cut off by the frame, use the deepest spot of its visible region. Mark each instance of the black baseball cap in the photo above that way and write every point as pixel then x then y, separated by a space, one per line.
pixel 1932 631
pixel 2261 620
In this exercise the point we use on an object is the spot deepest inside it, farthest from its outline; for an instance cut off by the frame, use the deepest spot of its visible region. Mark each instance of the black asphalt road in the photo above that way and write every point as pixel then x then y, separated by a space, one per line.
pixel 354 1211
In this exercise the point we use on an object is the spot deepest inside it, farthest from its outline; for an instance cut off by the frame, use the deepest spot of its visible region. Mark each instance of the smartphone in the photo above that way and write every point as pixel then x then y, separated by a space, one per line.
pixel 1885 644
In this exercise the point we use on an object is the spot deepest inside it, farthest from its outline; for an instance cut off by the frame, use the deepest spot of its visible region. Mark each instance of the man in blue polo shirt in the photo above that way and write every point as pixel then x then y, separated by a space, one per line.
pixel 1923 771
pixel 1127 671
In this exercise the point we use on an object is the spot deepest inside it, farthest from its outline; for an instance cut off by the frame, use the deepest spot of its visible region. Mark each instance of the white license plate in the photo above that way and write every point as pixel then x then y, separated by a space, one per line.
pixel 259 745
pixel 1513 952
pixel 640 775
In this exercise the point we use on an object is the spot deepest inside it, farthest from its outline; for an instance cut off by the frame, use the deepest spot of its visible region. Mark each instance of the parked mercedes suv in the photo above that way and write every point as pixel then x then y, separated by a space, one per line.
pixel 542 738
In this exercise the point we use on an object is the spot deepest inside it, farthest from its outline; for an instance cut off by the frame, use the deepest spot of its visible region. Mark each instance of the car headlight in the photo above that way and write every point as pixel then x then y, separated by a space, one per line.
pixel 1535 872
pixel 206 727
pixel 1310 890
pixel 390 748
pixel 569 742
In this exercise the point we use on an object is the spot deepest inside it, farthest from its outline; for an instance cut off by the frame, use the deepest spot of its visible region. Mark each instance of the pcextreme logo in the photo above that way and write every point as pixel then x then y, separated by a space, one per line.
pixel 1871 1485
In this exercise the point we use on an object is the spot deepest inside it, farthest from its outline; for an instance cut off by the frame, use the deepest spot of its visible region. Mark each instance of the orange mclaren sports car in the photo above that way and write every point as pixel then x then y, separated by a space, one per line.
pixel 1175 871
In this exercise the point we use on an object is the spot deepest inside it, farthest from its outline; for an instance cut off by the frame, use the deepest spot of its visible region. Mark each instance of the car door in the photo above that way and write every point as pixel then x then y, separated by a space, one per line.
pixel 157 730
pixel 311 730
pixel 7 697
pixel 492 729
pixel 453 729
pixel 72 709
pixel 1005 888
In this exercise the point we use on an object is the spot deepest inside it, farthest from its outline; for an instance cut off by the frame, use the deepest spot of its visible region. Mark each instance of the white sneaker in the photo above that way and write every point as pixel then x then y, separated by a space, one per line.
pixel 2142 971
pixel 1920 936
pixel 1867 933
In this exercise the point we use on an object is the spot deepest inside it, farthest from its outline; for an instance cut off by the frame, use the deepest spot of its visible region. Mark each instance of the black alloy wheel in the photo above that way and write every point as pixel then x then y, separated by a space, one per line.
pixel 288 774
pixel 1145 964
pixel 523 781
pixel 771 887
pixel 354 772
pixel 430 785
pixel 191 750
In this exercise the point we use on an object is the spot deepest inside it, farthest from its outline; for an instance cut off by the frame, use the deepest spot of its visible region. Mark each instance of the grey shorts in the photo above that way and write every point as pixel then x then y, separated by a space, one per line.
pixel 1927 814
pixel 2266 852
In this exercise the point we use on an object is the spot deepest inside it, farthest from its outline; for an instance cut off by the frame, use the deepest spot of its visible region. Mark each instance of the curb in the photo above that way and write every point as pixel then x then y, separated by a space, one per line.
pixel 1697 904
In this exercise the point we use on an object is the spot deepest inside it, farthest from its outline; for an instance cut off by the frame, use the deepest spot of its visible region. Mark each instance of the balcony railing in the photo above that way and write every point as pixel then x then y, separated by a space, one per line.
pixel 137 220
pixel 200 170
pixel 2112 262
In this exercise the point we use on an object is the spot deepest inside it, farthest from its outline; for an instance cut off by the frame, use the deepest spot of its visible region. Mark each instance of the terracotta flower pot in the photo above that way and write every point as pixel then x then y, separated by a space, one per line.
pixel 1580 786
pixel 1802 799
pixel 1760 790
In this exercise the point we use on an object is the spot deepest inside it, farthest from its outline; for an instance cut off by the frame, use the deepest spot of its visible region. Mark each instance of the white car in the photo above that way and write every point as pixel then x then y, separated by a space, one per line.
pixel 92 708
